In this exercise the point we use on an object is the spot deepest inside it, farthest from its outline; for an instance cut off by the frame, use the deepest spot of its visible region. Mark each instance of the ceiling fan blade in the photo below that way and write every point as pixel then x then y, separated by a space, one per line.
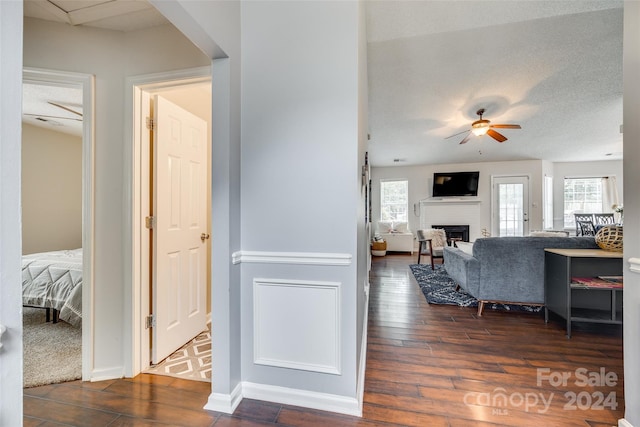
pixel 466 138
pixel 497 136
pixel 456 134
pixel 506 126
pixel 52 117
pixel 64 108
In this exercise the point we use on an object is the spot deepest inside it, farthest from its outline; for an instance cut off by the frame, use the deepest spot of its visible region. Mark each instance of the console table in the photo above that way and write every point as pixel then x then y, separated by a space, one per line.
pixel 577 302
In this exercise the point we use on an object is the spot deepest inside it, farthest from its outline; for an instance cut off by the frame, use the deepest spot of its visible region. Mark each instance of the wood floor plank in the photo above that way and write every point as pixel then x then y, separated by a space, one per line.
pixel 427 365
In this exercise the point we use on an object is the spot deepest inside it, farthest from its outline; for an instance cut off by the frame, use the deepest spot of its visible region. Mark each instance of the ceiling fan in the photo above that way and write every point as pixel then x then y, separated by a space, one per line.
pixel 483 126
pixel 45 117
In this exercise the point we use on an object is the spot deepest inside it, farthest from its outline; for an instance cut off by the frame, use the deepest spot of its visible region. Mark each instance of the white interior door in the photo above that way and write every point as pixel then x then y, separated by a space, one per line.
pixel 179 241
pixel 510 207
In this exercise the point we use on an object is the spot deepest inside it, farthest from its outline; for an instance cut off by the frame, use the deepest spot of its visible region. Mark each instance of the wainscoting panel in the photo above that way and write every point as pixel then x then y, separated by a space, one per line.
pixel 297 324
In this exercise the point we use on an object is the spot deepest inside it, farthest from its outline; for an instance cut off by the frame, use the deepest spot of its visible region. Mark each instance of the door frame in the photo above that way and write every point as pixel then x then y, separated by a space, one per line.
pixel 494 206
pixel 87 83
pixel 136 180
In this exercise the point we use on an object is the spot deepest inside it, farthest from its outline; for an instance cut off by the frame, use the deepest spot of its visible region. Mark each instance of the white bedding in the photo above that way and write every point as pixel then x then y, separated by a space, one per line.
pixel 54 280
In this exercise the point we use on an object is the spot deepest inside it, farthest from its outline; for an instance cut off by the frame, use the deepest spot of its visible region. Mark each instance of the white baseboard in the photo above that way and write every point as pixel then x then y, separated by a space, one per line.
pixel 363 350
pixel 107 374
pixel 304 398
pixel 624 423
pixel 225 403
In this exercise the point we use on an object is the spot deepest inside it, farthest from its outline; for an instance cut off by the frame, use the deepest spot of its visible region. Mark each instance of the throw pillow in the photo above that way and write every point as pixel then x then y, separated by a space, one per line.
pixel 385 226
pixel 401 227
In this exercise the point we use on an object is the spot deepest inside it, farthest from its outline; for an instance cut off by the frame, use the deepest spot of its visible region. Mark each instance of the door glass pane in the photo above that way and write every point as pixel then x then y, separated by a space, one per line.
pixel 510 209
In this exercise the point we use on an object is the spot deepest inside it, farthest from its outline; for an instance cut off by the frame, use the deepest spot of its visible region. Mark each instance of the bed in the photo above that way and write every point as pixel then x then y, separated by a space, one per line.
pixel 53 280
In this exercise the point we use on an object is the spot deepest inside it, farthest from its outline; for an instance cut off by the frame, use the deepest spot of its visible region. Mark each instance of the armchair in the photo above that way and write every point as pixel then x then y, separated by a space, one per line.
pixel 432 242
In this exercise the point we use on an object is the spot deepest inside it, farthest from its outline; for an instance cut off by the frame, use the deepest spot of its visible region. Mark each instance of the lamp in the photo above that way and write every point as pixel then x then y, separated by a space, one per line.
pixel 480 127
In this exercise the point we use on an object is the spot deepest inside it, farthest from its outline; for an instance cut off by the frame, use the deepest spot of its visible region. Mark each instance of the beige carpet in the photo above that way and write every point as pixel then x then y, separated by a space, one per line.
pixel 191 362
pixel 52 352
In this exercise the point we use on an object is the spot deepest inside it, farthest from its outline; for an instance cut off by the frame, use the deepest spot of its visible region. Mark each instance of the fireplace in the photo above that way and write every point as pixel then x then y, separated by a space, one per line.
pixel 455 231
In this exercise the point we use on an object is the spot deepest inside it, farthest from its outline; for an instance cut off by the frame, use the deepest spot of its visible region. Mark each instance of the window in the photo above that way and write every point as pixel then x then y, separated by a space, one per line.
pixel 394 200
pixel 581 195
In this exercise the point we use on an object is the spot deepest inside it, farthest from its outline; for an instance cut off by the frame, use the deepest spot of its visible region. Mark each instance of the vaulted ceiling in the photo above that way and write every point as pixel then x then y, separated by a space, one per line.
pixel 554 67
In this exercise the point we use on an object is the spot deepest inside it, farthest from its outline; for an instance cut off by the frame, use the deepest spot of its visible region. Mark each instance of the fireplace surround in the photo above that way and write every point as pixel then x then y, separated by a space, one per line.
pixel 455 231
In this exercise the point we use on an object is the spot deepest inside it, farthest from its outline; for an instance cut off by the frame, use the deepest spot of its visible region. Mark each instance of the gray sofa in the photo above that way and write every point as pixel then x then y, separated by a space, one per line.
pixel 506 269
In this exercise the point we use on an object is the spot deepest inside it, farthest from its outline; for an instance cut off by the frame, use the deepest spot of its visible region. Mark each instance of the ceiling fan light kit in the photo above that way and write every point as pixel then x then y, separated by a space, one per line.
pixel 482 126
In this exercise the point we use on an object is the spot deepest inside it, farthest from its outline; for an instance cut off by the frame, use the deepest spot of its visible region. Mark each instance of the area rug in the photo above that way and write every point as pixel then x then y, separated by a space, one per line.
pixel 52 351
pixel 439 288
pixel 191 362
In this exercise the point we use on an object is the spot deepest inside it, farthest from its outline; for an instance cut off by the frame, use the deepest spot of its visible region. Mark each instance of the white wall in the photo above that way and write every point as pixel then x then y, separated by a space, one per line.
pixel 110 56
pixel 51 190
pixel 421 180
pixel 581 170
pixel 631 89
pixel 301 185
pixel 10 245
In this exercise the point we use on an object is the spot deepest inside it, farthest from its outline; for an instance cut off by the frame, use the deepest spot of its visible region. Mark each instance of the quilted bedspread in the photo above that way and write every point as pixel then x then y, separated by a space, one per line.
pixel 54 279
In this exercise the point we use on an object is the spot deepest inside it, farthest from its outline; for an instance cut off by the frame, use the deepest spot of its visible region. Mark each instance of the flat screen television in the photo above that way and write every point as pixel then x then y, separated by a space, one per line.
pixel 455 184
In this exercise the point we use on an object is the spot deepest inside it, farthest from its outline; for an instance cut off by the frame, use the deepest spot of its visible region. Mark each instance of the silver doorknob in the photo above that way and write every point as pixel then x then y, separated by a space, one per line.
pixel 203 237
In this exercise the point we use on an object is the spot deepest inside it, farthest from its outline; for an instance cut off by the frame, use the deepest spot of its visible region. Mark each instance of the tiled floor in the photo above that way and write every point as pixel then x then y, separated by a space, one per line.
pixel 191 362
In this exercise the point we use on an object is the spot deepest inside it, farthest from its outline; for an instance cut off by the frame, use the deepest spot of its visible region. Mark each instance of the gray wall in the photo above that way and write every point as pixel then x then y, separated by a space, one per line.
pixel 10 245
pixel 631 88
pixel 300 180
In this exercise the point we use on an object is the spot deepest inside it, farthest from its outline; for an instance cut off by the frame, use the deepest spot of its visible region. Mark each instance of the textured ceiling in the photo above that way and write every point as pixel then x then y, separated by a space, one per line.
pixel 119 15
pixel 553 67
pixel 56 108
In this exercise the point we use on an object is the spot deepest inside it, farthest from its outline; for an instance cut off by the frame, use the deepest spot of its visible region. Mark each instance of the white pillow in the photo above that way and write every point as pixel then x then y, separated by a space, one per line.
pixel 401 227
pixel 385 226
pixel 548 233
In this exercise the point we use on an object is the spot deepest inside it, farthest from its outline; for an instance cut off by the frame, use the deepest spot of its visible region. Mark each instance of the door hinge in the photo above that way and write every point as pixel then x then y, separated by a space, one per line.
pixel 150 222
pixel 151 124
pixel 150 321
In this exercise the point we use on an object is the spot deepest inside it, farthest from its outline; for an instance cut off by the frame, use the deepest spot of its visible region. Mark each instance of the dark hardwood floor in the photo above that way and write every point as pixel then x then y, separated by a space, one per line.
pixel 426 366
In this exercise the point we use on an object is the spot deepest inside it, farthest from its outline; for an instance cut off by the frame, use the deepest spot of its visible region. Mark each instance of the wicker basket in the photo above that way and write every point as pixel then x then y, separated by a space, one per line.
pixel 379 248
pixel 609 238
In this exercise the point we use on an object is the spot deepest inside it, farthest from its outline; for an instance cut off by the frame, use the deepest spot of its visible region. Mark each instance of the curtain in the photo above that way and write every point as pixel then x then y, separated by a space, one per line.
pixel 609 193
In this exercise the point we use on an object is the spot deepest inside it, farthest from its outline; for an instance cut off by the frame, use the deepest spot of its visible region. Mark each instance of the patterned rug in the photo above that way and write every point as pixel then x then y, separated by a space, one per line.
pixel 439 288
pixel 191 362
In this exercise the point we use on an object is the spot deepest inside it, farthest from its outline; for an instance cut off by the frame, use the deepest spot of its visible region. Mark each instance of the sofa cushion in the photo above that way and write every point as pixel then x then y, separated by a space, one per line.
pixel 512 268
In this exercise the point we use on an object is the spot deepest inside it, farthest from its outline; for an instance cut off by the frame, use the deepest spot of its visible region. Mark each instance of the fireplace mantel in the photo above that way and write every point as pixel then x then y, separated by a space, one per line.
pixel 450 201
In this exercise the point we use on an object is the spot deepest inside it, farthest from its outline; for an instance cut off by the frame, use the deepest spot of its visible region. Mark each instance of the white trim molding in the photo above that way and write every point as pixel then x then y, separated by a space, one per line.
pixel 104 374
pixel 363 349
pixel 303 398
pixel 309 258
pixel 634 265
pixel 225 403
pixel 296 324
pixel 624 423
